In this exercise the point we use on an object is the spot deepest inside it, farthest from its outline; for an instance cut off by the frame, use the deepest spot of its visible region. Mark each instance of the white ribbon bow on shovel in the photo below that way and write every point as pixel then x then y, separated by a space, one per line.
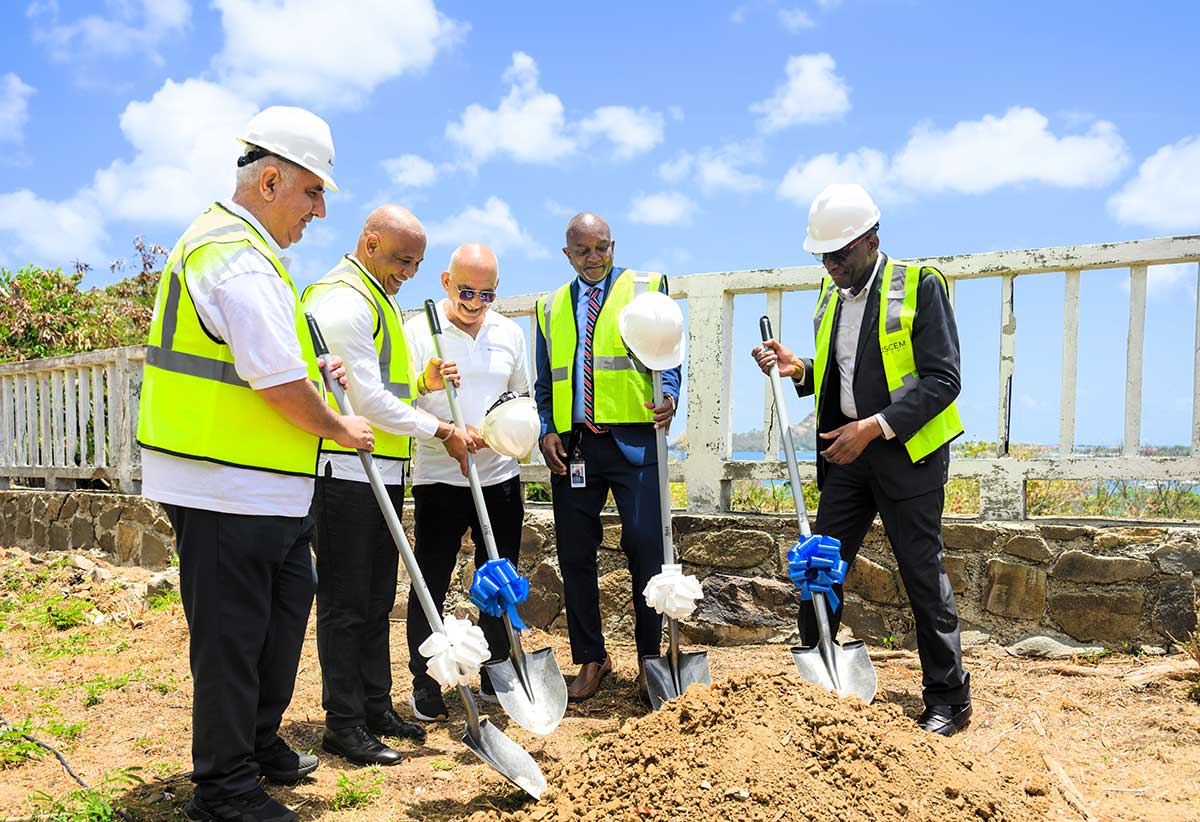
pixel 673 594
pixel 455 656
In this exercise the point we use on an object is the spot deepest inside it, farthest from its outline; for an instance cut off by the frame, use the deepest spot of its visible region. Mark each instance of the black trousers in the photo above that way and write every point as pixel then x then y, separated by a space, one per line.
pixel 443 514
pixel 356 565
pixel 578 533
pixel 850 498
pixel 246 585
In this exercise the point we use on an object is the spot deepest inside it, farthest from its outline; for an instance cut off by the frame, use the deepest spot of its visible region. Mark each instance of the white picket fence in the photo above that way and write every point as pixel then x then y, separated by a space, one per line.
pixel 70 418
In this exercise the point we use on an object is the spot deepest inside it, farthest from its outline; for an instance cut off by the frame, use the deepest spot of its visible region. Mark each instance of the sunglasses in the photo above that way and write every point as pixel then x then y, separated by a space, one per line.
pixel 842 253
pixel 468 294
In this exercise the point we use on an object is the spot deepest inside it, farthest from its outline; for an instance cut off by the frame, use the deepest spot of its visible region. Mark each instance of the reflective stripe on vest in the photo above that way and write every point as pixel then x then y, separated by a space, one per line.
pixel 193 403
pixel 897 309
pixel 622 385
pixel 391 347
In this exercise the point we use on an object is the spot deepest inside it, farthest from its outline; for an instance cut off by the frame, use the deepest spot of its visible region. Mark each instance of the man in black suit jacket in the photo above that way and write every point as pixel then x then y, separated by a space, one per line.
pixel 886 441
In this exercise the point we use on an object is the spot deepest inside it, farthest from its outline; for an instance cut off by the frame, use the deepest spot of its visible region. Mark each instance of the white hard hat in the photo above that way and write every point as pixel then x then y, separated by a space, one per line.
pixel 652 327
pixel 294 134
pixel 511 426
pixel 839 215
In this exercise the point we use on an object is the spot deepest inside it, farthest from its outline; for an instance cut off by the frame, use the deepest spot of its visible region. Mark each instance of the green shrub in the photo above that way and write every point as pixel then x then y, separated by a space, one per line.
pixel 356 790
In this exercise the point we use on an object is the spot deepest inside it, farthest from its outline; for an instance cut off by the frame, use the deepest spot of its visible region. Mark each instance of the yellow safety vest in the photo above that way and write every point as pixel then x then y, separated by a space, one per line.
pixel 395 368
pixel 897 308
pixel 622 385
pixel 193 402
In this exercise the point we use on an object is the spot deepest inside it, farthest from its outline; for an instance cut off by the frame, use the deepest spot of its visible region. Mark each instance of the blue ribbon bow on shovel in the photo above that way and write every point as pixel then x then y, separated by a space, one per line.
pixel 497 588
pixel 815 564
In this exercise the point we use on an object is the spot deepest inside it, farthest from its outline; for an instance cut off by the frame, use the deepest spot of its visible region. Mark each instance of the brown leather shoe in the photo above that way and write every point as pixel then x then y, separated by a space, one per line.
pixel 588 680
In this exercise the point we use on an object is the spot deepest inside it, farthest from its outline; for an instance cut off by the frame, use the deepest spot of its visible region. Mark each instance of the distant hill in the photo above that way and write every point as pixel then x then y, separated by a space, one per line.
pixel 804 435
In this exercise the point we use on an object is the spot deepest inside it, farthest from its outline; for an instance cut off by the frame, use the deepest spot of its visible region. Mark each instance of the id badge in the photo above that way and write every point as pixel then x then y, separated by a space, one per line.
pixel 578 474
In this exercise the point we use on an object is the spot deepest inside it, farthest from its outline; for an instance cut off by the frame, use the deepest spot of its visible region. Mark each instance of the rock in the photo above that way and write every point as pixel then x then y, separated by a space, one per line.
pixel 139 512
pixel 1151 650
pixel 728 548
pixel 81 562
pixel 970 639
pixel 1015 590
pixel 864 620
pixel 39 540
pixel 545 597
pixel 109 517
pixel 737 610
pixel 54 504
pixel 534 537
pixel 559 625
pixel 129 542
pixel 164 582
pixel 1116 538
pixel 1091 616
pixel 873 582
pixel 616 603
pixel 69 507
pixel 83 535
pixel 1080 566
pixel 1044 647
pixel 969 536
pixel 1174 609
pixel 1029 546
pixel 156 550
pixel 956 569
pixel 101 575
pixel 1178 558
pixel 136 591
pixel 58 537
pixel 1066 533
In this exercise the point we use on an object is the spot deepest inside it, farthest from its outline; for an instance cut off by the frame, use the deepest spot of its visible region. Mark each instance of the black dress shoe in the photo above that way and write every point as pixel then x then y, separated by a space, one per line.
pixel 282 765
pixel 945 720
pixel 254 806
pixel 357 745
pixel 389 723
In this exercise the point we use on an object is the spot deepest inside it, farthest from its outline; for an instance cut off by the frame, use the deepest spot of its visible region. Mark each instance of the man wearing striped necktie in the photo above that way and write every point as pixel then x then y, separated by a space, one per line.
pixel 598 435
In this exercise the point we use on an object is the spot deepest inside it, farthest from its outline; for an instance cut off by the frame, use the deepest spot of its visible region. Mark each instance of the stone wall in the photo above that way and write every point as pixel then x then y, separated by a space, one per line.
pixel 1105 585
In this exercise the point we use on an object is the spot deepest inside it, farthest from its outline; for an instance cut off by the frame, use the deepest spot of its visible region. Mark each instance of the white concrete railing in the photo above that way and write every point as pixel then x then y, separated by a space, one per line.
pixel 71 418
pixel 40 433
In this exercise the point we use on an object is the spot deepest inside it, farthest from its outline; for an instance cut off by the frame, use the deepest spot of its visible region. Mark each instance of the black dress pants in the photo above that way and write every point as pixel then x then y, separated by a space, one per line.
pixel 578 534
pixel 443 514
pixel 246 586
pixel 850 498
pixel 356 565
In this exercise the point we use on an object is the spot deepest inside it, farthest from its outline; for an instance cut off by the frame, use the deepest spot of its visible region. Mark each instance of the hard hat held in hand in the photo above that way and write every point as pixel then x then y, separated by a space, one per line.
pixel 294 134
pixel 652 327
pixel 511 426
pixel 839 215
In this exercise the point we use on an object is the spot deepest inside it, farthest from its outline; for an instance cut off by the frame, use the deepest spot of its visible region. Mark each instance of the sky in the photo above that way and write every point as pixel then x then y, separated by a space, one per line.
pixel 701 131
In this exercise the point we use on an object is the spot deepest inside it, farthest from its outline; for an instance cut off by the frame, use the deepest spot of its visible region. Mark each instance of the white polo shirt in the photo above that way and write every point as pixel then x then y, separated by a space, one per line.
pixel 491 363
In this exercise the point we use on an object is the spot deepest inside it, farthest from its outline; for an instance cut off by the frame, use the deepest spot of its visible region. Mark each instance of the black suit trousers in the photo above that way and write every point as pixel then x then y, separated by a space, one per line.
pixel 246 585
pixel 356 563
pixel 850 497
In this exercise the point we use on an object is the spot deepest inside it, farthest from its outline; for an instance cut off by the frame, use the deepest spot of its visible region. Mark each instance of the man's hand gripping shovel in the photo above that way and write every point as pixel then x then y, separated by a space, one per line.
pixel 483 738
pixel 530 686
pixel 815 566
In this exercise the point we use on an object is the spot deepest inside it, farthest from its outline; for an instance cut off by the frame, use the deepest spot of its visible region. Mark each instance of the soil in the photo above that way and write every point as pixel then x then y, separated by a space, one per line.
pixel 760 745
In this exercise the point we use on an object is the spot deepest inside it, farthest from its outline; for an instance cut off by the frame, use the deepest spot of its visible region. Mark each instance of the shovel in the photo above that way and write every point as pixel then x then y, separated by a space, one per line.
pixel 668 677
pixel 483 738
pixel 530 686
pixel 844 669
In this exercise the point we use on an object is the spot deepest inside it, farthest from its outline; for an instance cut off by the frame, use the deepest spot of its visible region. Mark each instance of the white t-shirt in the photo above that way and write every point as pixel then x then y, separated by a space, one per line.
pixel 488 365
pixel 247 304
pixel 348 326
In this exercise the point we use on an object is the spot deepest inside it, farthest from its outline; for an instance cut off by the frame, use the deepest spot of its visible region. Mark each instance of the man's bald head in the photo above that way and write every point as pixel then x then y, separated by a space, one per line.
pixel 391 246
pixel 589 246
pixel 474 259
pixel 470 282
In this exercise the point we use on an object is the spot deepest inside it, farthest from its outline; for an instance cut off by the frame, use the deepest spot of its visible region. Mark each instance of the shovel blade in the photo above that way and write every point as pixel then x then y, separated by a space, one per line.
pixel 511 760
pixel 540 706
pixel 851 665
pixel 661 680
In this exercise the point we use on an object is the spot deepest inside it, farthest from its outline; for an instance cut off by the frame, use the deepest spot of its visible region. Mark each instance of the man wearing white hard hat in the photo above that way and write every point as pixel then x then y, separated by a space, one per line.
pixel 488 351
pixel 885 376
pixel 355 306
pixel 598 434
pixel 229 424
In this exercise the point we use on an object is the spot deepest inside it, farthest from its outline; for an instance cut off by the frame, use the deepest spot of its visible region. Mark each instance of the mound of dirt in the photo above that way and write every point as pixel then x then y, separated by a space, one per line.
pixel 773 748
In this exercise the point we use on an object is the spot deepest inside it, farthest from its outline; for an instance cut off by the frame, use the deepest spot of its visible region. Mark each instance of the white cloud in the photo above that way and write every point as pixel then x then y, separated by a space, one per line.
pixel 672 261
pixel 829 4
pixel 738 15
pixel 49 233
pixel 1165 194
pixel 14 108
pixel 529 123
pixel 493 224
pixel 812 93
pixel 410 171
pixel 132 28
pixel 290 49
pixel 1163 280
pixel 805 179
pixel 664 208
pixel 720 169
pixel 795 20
pixel 176 171
pixel 557 209
pixel 977 156
pixel 632 132
pixel 678 168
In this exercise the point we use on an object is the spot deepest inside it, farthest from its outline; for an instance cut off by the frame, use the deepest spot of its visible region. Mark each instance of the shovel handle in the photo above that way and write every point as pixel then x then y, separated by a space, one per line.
pixel 789 447
pixel 764 325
